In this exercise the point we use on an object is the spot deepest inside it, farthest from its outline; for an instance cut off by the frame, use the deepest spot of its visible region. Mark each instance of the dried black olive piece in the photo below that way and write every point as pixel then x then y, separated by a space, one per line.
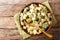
pixel 40 26
pixel 21 25
pixel 31 21
pixel 42 17
pixel 38 11
pixel 50 19
pixel 44 21
pixel 37 19
pixel 27 17
pixel 28 9
pixel 24 24
pixel 37 5
pixel 37 30
pixel 22 20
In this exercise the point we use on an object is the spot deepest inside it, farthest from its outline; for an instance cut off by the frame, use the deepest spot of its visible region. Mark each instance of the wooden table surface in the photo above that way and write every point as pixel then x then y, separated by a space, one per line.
pixel 8 30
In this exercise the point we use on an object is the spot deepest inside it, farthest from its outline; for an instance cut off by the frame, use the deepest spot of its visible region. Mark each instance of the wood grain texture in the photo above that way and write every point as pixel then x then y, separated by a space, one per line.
pixel 8 30
pixel 7 9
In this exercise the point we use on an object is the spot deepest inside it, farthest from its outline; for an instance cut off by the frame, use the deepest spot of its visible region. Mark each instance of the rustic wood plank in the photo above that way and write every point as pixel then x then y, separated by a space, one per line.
pixel 8 26
pixel 7 21
pixel 15 1
pixel 11 9
pixel 56 9
pixel 52 1
pixel 9 35
pixel 25 1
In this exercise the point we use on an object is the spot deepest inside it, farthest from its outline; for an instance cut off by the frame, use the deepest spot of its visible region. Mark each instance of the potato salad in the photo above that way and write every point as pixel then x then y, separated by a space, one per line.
pixel 35 14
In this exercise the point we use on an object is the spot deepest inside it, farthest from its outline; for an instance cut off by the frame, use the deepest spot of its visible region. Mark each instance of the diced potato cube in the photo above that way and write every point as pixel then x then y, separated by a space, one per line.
pixel 39 32
pixel 24 27
pixel 31 6
pixel 22 23
pixel 28 20
pixel 34 32
pixel 50 22
pixel 25 16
